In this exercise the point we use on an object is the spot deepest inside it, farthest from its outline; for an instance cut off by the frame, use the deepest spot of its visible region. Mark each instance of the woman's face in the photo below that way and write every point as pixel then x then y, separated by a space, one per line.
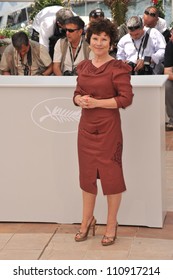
pixel 100 44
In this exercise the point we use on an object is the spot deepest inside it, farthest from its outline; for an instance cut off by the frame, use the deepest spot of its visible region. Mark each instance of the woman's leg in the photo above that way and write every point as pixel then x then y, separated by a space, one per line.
pixel 113 206
pixel 88 209
pixel 88 220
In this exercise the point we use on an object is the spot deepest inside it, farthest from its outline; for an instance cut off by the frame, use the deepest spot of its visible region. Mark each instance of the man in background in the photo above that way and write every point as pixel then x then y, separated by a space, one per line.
pixel 48 12
pixel 168 66
pixel 72 49
pixel 151 19
pixel 96 14
pixel 25 57
pixel 142 48
pixel 48 24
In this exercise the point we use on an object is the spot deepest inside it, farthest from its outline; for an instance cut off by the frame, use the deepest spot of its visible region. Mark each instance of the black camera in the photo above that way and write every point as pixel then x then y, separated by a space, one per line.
pixel 133 65
pixel 70 73
pixel 26 70
pixel 147 60
pixel 146 70
pixel 147 66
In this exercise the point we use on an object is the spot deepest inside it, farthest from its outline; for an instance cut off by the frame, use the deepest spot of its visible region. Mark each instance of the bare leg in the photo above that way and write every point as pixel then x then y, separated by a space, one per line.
pixel 113 206
pixel 88 221
pixel 88 209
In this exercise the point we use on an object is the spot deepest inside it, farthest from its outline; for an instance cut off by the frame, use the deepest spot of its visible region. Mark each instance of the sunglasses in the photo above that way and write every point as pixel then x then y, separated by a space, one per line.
pixel 133 28
pixel 149 14
pixel 71 30
pixel 96 14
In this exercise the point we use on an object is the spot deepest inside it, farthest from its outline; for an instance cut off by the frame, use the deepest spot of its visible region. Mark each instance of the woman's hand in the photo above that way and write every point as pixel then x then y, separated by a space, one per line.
pixel 89 102
pixel 86 101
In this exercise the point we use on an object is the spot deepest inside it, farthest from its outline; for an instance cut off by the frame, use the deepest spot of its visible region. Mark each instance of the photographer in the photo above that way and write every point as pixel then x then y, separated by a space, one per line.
pixel 68 52
pixel 168 66
pixel 25 57
pixel 142 48
pixel 48 26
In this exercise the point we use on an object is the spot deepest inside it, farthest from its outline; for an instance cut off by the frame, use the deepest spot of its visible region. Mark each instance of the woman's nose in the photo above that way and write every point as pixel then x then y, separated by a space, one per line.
pixel 99 42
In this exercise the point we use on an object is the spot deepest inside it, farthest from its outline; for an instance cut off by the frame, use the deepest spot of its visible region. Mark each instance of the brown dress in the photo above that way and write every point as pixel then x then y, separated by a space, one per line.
pixel 99 132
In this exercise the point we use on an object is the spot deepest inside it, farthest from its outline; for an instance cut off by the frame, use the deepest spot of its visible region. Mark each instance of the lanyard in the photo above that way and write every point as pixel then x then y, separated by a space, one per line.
pixel 73 58
pixel 26 68
pixel 140 47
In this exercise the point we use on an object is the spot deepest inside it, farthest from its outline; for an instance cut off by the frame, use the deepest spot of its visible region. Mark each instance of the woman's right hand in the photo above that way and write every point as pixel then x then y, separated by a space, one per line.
pixel 82 101
pixel 77 99
pixel 86 101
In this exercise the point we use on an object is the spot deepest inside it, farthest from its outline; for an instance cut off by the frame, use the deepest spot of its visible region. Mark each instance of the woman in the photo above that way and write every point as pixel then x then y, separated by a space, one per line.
pixel 103 86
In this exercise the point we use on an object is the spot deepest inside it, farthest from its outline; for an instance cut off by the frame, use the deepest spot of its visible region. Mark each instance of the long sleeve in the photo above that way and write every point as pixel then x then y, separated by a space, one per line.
pixel 159 45
pixel 128 49
pixel 123 86
pixel 46 31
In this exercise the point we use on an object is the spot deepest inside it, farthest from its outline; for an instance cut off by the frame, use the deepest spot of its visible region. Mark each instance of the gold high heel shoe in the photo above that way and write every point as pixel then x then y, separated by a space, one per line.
pixel 82 236
pixel 109 240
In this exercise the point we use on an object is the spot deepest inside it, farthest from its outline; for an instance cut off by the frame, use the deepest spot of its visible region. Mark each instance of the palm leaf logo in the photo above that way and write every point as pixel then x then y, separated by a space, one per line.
pixel 61 115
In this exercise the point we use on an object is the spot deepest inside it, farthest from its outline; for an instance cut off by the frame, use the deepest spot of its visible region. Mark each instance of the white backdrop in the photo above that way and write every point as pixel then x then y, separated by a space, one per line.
pixel 39 165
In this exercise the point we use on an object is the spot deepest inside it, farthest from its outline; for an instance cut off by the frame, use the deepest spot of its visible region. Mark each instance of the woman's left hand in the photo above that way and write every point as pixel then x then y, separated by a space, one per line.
pixel 88 102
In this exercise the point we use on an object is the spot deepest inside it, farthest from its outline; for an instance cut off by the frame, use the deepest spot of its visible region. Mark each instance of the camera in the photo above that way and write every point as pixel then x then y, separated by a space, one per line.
pixel 146 70
pixel 133 65
pixel 26 70
pixel 147 66
pixel 70 73
pixel 147 60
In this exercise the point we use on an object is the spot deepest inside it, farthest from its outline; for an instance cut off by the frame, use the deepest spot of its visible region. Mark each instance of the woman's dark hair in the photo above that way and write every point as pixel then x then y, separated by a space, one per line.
pixel 20 38
pixel 103 25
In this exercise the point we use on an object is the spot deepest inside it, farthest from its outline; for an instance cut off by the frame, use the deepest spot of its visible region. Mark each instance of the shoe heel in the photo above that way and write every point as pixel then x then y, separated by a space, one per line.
pixel 94 232
pixel 116 228
pixel 83 236
pixel 106 241
pixel 94 228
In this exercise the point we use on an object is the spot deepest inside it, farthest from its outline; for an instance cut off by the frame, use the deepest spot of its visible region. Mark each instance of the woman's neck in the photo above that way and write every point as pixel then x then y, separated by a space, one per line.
pixel 102 59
